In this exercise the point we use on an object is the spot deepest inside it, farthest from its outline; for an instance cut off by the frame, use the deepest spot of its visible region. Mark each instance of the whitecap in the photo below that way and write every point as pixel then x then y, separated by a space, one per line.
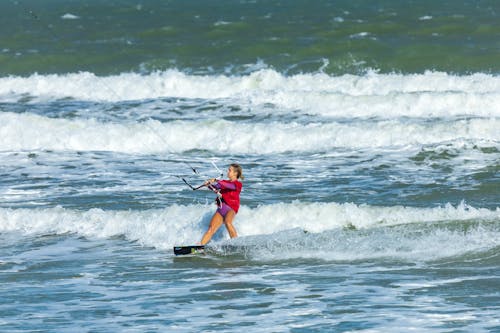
pixel 69 16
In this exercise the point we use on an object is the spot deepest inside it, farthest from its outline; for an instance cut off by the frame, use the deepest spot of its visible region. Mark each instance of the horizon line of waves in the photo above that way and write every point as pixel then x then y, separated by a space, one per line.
pixel 287 230
pixel 20 132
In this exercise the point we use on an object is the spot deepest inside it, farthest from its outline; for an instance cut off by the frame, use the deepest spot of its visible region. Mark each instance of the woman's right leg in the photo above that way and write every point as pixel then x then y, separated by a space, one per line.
pixel 215 224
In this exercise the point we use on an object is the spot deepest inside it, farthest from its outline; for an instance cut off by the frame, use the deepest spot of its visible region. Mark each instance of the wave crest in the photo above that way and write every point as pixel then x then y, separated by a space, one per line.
pixel 372 95
pixel 286 230
pixel 33 132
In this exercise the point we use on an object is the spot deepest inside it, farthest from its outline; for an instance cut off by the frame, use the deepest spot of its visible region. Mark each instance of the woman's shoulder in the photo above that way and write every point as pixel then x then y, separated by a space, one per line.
pixel 236 182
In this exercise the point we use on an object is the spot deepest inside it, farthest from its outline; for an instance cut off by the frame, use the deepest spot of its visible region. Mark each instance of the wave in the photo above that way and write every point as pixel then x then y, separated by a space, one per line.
pixel 433 94
pixel 34 132
pixel 286 230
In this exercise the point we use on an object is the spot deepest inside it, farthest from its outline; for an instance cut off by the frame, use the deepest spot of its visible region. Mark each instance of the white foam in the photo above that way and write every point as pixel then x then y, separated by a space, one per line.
pixel 160 228
pixel 69 16
pixel 373 94
pixel 404 233
pixel 277 229
pixel 425 18
pixel 34 132
pixel 320 217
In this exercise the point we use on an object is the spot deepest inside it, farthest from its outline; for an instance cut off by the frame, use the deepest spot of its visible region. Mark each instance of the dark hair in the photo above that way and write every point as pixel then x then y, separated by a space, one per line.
pixel 236 167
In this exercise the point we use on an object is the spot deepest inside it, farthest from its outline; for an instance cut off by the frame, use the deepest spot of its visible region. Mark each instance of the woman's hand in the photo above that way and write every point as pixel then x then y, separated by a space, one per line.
pixel 210 181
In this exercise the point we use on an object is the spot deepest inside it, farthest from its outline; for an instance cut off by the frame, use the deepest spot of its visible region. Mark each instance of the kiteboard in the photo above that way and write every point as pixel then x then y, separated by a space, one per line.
pixel 189 249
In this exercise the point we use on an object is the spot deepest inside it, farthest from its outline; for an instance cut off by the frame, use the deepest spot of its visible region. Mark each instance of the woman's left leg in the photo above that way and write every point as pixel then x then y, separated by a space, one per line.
pixel 228 221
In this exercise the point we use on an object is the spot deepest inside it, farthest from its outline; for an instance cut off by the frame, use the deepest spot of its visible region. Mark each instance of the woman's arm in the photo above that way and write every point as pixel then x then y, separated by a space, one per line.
pixel 225 185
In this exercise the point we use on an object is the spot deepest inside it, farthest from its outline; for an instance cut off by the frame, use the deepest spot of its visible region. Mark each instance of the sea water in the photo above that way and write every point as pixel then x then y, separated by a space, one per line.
pixel 369 136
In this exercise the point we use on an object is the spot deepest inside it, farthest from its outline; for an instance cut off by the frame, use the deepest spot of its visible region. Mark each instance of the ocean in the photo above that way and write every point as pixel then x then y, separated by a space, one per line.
pixel 368 133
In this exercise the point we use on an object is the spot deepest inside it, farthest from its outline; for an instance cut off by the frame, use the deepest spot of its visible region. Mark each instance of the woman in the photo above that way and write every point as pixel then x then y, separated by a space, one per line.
pixel 228 202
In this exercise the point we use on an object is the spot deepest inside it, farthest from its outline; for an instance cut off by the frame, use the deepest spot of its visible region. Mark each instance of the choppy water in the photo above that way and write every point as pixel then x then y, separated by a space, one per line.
pixel 372 181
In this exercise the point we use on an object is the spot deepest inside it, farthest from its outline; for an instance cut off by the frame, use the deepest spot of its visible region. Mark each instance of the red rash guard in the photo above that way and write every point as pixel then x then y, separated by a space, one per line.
pixel 230 191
